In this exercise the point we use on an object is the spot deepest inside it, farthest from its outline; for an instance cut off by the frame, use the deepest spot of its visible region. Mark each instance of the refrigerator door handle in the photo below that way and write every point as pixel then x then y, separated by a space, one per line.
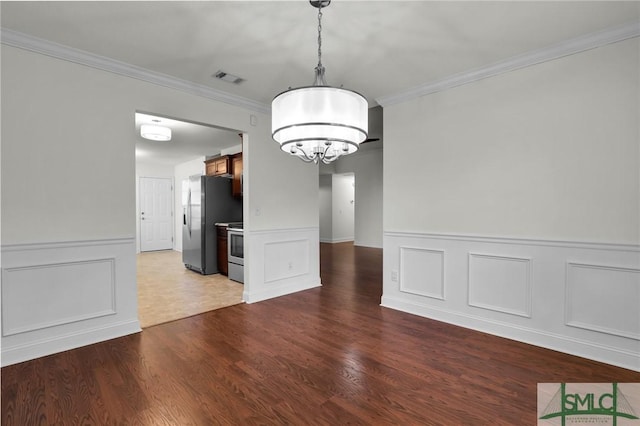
pixel 189 212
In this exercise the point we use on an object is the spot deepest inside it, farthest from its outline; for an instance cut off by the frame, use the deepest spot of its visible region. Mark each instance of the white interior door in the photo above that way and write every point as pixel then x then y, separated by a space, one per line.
pixel 156 214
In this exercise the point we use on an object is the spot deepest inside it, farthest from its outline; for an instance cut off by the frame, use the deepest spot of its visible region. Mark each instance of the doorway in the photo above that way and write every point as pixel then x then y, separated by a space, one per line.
pixel 166 289
pixel 337 207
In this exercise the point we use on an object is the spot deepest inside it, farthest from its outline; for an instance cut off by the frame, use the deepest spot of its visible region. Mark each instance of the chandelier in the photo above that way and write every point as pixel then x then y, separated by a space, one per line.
pixel 319 122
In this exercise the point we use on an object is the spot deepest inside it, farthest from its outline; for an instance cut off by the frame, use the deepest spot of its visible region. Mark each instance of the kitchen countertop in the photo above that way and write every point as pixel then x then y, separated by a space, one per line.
pixel 230 224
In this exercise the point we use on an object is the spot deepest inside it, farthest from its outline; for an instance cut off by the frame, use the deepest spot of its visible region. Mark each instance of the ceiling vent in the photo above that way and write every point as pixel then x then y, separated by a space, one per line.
pixel 229 78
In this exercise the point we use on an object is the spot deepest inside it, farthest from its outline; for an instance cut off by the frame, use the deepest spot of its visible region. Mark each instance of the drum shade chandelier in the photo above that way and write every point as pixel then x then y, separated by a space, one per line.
pixel 319 122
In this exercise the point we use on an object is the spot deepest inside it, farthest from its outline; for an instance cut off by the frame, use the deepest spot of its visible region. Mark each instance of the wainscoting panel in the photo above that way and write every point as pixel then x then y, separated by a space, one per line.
pixel 286 259
pixel 422 272
pixel 60 296
pixel 280 262
pixel 574 297
pixel 604 298
pixel 57 287
pixel 500 283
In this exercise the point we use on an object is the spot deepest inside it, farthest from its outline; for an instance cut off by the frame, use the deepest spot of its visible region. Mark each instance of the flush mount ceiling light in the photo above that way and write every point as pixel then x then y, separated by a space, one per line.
pixel 155 133
pixel 319 122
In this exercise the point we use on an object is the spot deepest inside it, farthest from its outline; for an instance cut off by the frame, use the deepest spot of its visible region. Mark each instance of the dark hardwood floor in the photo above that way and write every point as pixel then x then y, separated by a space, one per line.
pixel 326 356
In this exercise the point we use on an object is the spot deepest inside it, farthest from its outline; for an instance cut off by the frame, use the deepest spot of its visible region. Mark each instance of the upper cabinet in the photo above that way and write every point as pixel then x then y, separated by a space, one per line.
pixel 217 166
pixel 236 169
pixel 228 166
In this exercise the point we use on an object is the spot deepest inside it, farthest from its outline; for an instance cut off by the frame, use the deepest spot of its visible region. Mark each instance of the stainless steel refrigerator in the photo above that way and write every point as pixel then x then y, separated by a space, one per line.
pixel 206 200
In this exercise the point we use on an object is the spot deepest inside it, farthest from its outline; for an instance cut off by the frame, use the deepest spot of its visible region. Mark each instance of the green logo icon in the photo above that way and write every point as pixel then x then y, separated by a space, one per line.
pixel 586 404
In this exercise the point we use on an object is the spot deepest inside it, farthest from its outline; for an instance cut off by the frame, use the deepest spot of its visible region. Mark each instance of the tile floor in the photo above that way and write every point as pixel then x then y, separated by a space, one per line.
pixel 167 291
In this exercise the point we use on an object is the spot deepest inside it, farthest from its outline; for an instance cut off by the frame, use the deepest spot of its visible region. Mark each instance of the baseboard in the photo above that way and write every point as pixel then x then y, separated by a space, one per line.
pixel 277 291
pixel 359 244
pixel 336 240
pixel 584 349
pixel 44 347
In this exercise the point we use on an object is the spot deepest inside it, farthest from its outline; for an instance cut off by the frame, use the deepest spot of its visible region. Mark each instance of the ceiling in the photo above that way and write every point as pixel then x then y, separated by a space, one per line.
pixel 189 140
pixel 378 48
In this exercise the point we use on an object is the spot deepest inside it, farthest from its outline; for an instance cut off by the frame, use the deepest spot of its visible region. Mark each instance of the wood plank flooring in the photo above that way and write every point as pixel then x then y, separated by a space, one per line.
pixel 168 291
pixel 326 356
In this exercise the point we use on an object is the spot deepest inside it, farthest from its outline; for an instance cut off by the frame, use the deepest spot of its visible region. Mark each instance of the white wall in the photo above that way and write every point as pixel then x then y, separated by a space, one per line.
pixel 67 153
pixel 181 172
pixel 337 201
pixel 342 206
pixel 72 126
pixel 511 204
pixel 366 165
pixel 326 208
pixel 145 169
pixel 550 151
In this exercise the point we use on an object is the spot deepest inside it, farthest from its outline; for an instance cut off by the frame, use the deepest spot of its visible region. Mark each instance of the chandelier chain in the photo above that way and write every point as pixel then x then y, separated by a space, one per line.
pixel 320 36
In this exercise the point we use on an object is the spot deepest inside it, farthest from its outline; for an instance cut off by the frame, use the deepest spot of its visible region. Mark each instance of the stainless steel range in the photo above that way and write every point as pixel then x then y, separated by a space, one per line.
pixel 236 251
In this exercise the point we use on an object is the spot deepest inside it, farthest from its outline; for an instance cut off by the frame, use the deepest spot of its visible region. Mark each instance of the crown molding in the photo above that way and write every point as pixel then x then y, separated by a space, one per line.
pixel 568 47
pixel 81 57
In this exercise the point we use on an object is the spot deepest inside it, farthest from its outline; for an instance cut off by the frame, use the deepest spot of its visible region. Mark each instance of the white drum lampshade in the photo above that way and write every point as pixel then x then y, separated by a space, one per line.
pixel 319 122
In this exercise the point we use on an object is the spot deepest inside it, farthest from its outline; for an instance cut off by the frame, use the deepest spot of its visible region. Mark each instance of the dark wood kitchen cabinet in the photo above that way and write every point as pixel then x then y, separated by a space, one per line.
pixel 217 166
pixel 223 262
pixel 236 167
